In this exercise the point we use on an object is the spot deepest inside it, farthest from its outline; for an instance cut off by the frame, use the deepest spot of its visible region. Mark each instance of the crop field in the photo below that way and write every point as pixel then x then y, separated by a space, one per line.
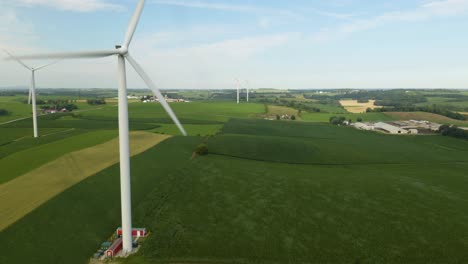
pixel 212 111
pixel 14 165
pixel 353 106
pixel 268 192
pixel 23 194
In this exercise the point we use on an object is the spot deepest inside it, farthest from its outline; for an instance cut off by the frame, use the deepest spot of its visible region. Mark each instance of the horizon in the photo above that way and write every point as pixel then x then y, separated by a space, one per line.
pixel 206 44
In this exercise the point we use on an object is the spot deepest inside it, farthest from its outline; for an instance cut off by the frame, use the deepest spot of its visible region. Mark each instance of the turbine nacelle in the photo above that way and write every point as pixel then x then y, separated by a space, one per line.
pixel 121 50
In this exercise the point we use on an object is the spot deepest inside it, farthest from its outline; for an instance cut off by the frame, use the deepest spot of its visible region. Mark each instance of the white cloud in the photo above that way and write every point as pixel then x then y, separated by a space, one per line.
pixel 73 5
pixel 425 11
pixel 225 7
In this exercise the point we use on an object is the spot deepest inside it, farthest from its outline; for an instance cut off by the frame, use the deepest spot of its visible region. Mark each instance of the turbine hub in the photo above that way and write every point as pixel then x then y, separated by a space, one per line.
pixel 122 50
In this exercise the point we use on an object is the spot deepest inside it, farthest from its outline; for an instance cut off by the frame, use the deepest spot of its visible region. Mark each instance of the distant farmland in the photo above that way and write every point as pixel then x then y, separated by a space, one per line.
pixel 426 116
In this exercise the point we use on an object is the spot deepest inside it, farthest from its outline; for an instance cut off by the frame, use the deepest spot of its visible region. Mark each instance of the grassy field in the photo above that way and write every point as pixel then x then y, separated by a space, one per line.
pixel 355 197
pixel 25 193
pixel 274 110
pixel 14 105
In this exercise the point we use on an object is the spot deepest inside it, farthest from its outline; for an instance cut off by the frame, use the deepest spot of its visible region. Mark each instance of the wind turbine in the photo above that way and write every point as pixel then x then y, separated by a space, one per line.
pixel 122 53
pixel 32 87
pixel 247 84
pixel 238 89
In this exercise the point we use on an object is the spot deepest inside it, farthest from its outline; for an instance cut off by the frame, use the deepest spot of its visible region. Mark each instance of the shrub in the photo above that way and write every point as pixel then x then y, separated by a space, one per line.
pixel 201 149
pixel 293 117
pixel 359 119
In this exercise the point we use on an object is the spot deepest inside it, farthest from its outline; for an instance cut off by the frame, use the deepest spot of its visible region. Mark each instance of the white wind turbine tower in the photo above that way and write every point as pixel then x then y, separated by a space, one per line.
pixel 32 88
pixel 121 51
pixel 247 84
pixel 238 89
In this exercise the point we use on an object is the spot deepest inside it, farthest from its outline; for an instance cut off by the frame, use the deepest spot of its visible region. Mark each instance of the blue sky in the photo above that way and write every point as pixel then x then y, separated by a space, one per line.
pixel 283 44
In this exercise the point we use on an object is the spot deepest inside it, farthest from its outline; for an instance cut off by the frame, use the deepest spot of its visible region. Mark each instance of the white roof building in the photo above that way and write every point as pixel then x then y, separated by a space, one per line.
pixel 390 128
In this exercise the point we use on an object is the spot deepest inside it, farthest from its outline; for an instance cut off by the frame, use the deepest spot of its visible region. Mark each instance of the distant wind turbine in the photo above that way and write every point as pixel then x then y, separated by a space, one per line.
pixel 238 89
pixel 121 51
pixel 32 87
pixel 247 84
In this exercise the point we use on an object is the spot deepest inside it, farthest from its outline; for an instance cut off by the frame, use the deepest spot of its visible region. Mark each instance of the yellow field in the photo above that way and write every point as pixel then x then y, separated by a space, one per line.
pixel 23 194
pixel 353 106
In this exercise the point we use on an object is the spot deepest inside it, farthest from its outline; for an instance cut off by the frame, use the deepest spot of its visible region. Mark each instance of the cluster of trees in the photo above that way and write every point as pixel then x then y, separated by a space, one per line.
pixel 99 101
pixel 338 120
pixel 301 106
pixel 59 104
pixel 4 112
pixel 427 108
pixel 453 131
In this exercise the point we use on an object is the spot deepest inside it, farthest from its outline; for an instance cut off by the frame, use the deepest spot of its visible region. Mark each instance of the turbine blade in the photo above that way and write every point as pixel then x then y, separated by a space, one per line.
pixel 133 23
pixel 47 65
pixel 156 92
pixel 16 59
pixel 70 55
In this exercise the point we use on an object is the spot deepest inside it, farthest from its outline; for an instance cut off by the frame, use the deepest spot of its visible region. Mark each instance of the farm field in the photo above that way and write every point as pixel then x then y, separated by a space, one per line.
pixel 14 164
pixel 30 190
pixel 274 110
pixel 425 116
pixel 290 190
pixel 353 106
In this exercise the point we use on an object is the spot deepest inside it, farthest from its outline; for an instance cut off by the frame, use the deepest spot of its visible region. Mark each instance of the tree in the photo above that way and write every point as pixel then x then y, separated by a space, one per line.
pixel 293 117
pixel 337 120
pixel 100 101
pixel 4 112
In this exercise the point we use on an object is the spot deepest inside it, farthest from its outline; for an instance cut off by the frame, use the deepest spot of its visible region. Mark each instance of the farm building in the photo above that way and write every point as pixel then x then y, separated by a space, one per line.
pixel 136 232
pixel 390 128
pixel 114 248
pixel 363 126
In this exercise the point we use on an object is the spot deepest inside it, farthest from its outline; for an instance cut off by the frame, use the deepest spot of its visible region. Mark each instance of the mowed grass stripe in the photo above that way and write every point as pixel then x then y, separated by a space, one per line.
pixel 23 194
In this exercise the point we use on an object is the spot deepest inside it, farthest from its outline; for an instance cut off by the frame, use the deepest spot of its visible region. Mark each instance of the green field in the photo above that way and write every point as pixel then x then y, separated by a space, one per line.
pixel 268 192
pixel 325 117
pixel 21 162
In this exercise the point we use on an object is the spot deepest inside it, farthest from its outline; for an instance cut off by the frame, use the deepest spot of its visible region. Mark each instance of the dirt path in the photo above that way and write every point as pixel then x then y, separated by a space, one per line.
pixel 23 194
